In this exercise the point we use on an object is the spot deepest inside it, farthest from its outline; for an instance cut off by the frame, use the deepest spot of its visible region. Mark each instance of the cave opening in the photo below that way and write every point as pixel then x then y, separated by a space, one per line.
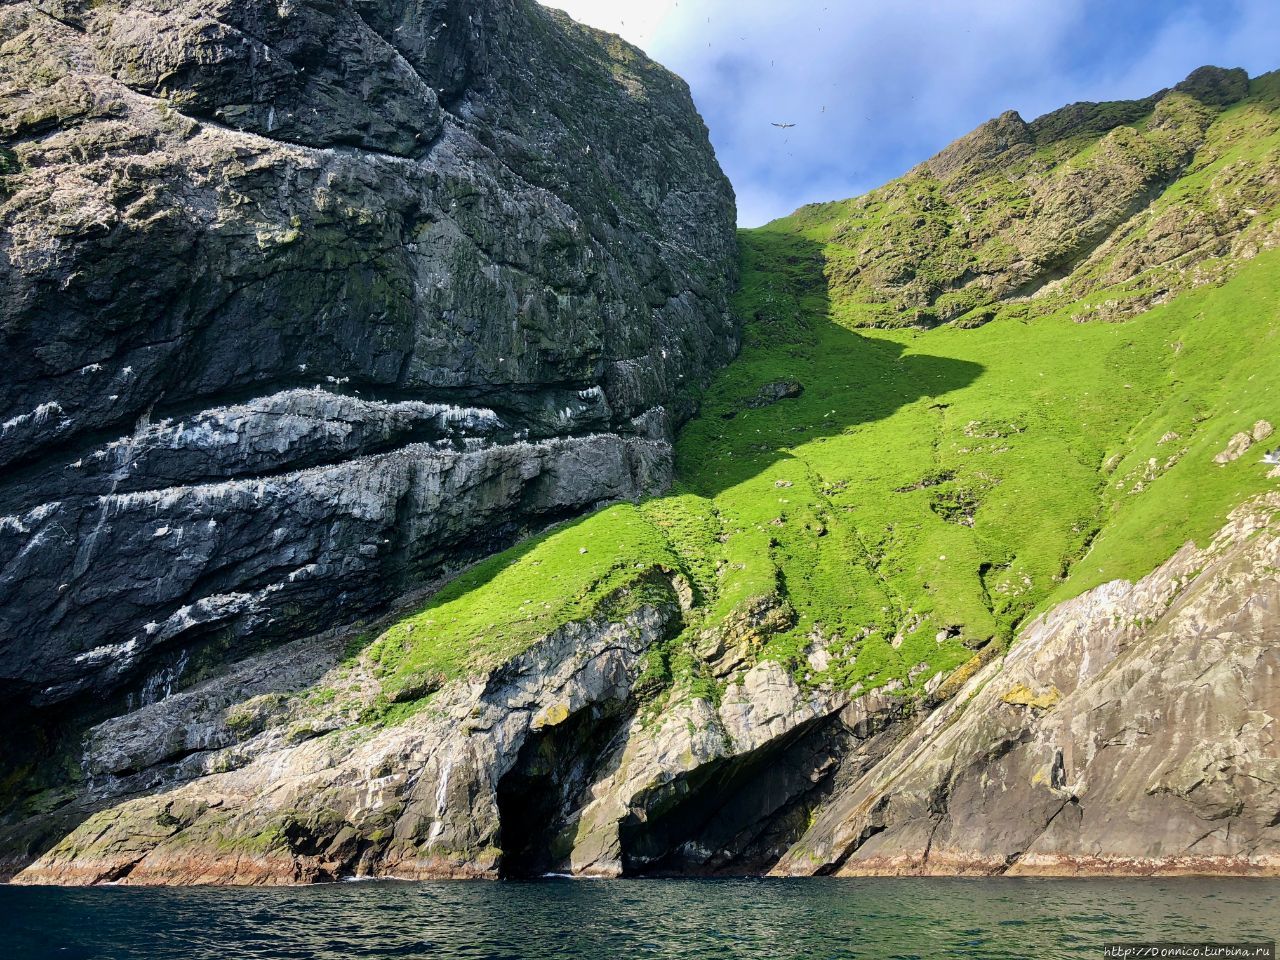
pixel 540 796
pixel 737 816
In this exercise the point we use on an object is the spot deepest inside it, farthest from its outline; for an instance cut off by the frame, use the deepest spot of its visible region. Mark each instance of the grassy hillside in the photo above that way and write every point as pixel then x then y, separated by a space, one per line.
pixel 900 483
pixel 1099 210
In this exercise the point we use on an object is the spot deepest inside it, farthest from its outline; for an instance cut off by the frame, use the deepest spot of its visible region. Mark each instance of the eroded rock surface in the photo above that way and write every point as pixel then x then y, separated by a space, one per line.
pixel 305 303
pixel 1132 730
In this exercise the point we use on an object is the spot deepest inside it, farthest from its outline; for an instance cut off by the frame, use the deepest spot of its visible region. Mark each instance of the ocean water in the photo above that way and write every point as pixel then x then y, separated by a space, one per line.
pixel 619 920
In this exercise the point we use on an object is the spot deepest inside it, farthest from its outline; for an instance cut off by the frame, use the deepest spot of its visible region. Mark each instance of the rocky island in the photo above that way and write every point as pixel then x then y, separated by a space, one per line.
pixel 410 471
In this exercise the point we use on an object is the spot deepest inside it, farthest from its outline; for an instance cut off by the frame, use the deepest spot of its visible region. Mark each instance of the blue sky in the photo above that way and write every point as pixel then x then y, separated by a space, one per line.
pixel 875 86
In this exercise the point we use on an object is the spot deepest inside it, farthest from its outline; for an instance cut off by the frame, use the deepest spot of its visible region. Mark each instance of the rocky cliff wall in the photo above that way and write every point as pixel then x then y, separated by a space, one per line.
pixel 303 304
pixel 1131 731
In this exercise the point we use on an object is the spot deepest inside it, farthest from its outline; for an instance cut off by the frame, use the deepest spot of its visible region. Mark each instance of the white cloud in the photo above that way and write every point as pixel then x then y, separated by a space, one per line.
pixel 638 21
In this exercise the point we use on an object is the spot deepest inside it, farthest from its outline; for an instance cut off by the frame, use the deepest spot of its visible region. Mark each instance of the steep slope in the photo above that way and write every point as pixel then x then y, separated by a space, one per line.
pixel 1139 199
pixel 893 542
pixel 303 305
pixel 1130 731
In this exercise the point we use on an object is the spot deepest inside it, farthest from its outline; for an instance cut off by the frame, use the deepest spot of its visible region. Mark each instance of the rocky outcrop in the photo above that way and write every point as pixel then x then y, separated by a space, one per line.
pixel 558 759
pixel 1131 731
pixel 305 304
pixel 573 755
pixel 417 800
pixel 1242 442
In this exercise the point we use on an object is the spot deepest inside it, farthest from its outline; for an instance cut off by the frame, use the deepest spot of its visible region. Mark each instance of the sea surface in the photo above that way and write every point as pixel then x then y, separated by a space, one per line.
pixel 622 919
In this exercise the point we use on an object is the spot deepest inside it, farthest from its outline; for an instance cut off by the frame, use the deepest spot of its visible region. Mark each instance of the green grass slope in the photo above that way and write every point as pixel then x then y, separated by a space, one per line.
pixel 932 485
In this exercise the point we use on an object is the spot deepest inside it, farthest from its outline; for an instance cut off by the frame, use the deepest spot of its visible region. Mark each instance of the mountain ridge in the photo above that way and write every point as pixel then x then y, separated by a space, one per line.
pixel 1013 212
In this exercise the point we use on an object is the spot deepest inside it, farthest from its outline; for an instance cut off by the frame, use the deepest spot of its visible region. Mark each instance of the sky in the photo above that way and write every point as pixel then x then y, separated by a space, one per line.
pixel 876 86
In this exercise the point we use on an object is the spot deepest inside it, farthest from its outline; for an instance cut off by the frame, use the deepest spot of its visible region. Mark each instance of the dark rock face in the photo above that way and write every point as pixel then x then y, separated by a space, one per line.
pixel 302 303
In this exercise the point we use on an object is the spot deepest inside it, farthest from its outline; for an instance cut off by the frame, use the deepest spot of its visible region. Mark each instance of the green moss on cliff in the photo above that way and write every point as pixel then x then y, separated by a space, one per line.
pixel 497 608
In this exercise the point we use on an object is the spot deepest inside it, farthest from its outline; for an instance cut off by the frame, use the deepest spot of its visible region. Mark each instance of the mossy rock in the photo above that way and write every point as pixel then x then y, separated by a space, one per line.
pixel 1023 696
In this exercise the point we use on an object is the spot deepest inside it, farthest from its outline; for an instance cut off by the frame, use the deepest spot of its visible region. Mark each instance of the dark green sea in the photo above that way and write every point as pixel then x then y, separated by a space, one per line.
pixel 702 919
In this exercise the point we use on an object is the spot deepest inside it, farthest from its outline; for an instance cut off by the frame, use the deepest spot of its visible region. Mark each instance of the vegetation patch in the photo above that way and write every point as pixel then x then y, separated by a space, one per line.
pixel 1023 696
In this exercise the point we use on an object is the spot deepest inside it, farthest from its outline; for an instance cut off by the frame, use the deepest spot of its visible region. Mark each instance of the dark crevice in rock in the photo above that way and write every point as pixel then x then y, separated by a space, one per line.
pixel 448 104
pixel 69 24
pixel 540 796
pixel 118 873
pixel 337 147
pixel 399 557
pixel 738 815
pixel 869 831
pixel 168 760
pixel 1016 856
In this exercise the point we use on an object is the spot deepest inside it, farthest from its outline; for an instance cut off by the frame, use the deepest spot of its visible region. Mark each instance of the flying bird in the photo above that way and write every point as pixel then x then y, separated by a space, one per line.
pixel 784 126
